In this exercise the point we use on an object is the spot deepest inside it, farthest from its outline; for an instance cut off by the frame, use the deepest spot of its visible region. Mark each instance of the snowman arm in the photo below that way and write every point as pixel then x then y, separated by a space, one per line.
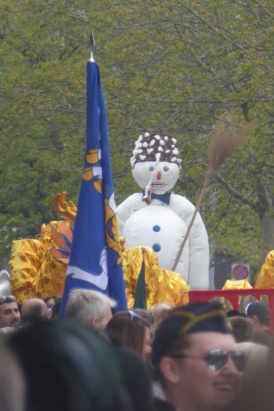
pixel 198 276
pixel 128 207
pixel 198 272
pixel 182 207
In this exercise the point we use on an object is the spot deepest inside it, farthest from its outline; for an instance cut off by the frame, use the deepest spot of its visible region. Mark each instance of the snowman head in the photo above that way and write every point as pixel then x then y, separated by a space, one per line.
pixel 155 166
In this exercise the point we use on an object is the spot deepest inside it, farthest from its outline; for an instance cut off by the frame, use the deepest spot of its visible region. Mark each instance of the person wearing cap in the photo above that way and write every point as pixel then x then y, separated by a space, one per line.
pixel 259 315
pixel 195 357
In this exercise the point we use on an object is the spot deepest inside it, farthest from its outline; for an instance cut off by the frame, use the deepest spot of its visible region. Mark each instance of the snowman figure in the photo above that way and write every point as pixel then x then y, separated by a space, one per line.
pixel 159 219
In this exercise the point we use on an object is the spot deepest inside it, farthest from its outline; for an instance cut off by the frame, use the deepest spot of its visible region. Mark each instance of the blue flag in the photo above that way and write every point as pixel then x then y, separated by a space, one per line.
pixel 95 259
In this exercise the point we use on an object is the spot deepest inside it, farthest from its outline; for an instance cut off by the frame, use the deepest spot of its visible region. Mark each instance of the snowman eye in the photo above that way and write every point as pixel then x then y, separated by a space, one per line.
pixel 166 168
pixel 151 168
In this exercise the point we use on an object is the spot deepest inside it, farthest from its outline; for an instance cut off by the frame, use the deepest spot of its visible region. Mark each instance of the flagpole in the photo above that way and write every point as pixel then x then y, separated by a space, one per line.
pixel 92 46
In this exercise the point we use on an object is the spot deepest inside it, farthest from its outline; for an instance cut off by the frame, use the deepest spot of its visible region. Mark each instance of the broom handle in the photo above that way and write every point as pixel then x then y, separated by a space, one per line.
pixel 213 165
pixel 198 204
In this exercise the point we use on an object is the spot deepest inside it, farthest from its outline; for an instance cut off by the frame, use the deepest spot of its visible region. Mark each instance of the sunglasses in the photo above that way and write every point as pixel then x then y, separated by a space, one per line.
pixel 217 358
pixel 132 314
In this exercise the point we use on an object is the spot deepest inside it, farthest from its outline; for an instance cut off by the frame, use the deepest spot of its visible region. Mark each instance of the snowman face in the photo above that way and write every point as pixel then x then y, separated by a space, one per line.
pixel 162 175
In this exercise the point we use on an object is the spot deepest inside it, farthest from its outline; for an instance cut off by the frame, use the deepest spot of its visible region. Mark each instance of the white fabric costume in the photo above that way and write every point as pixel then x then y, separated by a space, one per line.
pixel 162 223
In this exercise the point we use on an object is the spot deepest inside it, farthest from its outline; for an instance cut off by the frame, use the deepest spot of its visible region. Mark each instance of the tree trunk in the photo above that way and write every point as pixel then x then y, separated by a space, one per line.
pixel 267 224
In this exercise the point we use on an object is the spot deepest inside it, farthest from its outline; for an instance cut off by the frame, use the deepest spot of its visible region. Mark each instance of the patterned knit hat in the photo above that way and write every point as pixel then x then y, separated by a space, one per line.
pixel 155 147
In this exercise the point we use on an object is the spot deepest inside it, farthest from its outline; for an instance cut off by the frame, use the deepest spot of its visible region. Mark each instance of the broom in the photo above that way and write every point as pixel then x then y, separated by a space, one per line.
pixel 225 139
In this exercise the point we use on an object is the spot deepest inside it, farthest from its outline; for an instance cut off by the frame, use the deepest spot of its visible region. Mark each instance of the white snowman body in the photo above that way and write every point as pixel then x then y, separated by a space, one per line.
pixel 162 222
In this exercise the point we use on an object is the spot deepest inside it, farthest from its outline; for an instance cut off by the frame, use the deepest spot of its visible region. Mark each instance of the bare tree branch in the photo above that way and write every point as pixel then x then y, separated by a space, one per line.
pixel 236 193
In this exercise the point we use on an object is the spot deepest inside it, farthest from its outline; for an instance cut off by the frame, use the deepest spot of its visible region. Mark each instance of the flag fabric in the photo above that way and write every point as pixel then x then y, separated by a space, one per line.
pixel 140 300
pixel 95 259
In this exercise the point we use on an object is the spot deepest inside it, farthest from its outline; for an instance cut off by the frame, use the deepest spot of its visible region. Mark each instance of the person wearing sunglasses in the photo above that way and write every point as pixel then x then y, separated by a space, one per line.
pixel 195 357
pixel 9 311
pixel 129 330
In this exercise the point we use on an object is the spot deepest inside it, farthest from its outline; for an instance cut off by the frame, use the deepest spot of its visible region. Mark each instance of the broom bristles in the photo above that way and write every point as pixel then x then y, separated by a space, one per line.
pixel 226 138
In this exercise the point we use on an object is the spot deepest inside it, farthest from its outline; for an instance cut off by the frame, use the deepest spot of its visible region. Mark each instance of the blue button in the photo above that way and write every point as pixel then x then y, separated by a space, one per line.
pixel 156 228
pixel 156 247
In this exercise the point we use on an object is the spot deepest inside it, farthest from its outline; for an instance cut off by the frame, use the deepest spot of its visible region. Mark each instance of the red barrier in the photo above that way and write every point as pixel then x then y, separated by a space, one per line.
pixel 234 299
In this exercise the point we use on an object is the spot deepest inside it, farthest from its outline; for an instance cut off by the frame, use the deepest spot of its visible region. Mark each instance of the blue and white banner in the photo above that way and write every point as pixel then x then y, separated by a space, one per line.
pixel 95 259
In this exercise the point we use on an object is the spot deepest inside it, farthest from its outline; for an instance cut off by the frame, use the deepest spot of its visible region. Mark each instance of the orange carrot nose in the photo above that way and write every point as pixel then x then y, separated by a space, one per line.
pixel 158 175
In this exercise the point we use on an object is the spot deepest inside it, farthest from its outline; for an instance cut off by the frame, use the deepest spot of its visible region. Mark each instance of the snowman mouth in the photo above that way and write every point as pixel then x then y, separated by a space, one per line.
pixel 158 185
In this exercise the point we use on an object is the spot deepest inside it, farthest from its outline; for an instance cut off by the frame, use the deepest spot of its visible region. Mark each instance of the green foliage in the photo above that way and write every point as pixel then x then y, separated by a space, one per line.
pixel 173 66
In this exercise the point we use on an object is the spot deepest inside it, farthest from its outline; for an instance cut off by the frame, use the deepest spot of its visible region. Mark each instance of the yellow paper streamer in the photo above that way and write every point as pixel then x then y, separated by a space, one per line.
pixel 38 266
pixel 236 285
pixel 161 285
pixel 38 269
pixel 265 278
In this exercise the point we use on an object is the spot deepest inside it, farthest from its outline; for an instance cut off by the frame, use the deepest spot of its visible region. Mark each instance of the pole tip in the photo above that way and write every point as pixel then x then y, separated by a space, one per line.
pixel 92 44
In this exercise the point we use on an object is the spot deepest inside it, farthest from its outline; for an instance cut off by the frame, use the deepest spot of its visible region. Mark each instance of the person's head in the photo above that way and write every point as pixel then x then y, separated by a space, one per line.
pixel 158 311
pixel 12 387
pixel 67 366
pixel 56 309
pixel 255 375
pixel 89 307
pixel 50 301
pixel 257 358
pixel 195 357
pixel 33 311
pixel 233 313
pixel 144 314
pixel 131 331
pixel 241 328
pixel 9 312
pixel 259 315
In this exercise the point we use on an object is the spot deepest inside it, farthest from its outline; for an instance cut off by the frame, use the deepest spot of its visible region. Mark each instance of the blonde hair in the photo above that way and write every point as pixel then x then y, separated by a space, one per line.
pixel 257 360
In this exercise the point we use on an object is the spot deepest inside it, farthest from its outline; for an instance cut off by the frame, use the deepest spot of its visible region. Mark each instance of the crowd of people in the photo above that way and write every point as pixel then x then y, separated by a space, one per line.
pixel 196 357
